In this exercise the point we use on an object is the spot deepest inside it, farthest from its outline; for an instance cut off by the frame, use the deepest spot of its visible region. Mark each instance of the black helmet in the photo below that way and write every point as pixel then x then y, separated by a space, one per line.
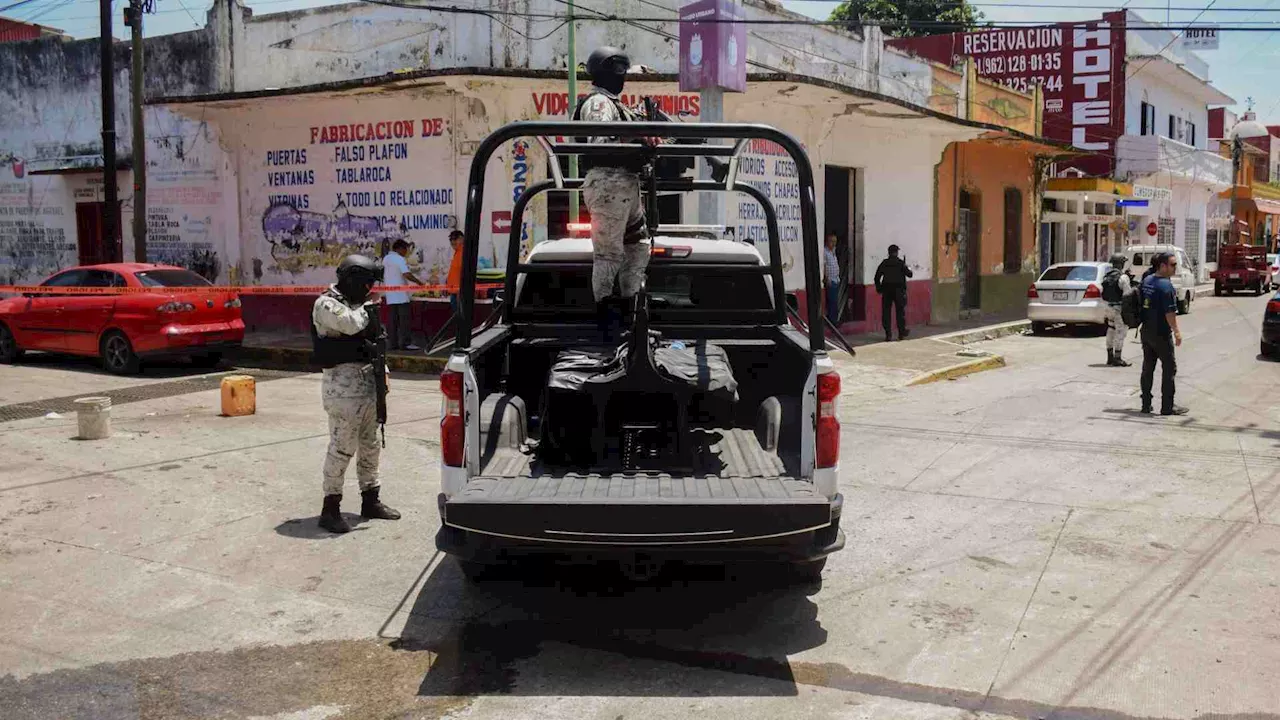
pixel 599 59
pixel 608 67
pixel 1118 261
pixel 356 276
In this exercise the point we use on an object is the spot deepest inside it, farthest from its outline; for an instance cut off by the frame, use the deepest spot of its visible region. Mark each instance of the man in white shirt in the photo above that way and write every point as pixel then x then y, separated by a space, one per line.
pixel 395 271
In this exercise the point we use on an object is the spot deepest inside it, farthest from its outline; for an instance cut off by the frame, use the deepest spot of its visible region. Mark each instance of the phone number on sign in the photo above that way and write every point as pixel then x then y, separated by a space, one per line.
pixel 1010 64
pixel 1051 83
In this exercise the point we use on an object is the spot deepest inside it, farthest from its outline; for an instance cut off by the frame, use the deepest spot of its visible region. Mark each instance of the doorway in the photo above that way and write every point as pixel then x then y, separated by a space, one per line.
pixel 840 202
pixel 94 248
pixel 968 249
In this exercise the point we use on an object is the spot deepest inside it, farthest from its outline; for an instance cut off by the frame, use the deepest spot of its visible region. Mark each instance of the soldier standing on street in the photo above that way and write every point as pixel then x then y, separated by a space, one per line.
pixel 611 189
pixel 891 282
pixel 1115 283
pixel 340 328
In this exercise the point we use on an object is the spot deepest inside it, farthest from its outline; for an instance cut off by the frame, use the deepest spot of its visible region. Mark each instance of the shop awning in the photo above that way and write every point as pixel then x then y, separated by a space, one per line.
pixel 1262 205
pixel 1104 186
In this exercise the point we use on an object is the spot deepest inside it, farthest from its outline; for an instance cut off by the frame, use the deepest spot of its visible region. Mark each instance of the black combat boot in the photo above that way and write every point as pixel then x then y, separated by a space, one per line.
pixel 1121 362
pixel 331 516
pixel 371 508
pixel 1111 357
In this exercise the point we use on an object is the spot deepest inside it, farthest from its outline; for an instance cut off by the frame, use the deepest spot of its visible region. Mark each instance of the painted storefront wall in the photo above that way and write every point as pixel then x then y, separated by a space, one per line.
pixel 323 175
pixel 989 173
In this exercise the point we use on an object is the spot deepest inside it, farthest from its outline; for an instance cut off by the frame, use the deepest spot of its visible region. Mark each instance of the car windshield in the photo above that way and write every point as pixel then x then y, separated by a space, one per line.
pixel 171 278
pixel 1071 272
pixel 672 292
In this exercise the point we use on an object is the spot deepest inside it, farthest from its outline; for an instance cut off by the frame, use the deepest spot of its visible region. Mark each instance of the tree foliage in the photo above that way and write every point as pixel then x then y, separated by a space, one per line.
pixel 907 18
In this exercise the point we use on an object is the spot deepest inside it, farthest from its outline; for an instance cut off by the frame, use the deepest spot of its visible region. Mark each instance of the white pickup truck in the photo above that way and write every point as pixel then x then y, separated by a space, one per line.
pixel 709 433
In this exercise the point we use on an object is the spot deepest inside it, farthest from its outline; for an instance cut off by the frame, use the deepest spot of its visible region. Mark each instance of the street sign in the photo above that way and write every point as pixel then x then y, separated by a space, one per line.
pixel 1152 229
pixel 1200 38
pixel 1152 193
pixel 1132 203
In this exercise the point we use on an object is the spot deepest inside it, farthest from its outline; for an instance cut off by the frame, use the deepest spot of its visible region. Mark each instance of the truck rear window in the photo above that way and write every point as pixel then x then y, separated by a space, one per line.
pixel 674 294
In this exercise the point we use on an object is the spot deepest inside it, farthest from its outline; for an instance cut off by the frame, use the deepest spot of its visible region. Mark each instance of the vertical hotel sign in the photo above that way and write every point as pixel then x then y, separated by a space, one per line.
pixel 1079 68
pixel 713 46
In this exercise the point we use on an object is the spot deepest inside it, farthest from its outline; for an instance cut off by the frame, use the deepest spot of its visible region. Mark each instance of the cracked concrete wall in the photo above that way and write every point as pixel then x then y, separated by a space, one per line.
pixel 342 42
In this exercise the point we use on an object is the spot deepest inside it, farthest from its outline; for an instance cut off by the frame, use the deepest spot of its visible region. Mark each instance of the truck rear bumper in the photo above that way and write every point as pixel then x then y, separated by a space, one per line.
pixel 699 532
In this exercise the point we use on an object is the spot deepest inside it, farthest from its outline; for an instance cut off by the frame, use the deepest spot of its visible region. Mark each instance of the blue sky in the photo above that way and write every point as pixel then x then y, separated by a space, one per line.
pixel 1244 66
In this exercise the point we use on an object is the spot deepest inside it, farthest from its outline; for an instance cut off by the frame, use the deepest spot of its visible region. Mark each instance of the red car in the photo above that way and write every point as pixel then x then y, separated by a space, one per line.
pixel 170 318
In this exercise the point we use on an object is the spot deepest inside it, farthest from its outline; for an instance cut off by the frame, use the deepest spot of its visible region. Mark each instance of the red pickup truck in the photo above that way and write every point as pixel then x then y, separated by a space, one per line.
pixel 1242 267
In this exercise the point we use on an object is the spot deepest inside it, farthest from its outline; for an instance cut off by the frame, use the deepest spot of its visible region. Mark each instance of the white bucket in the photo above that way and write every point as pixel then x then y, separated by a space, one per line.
pixel 94 417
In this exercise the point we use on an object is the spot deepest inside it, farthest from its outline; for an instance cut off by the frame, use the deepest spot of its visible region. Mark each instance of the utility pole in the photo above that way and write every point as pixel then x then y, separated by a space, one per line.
pixel 111 196
pixel 573 103
pixel 133 16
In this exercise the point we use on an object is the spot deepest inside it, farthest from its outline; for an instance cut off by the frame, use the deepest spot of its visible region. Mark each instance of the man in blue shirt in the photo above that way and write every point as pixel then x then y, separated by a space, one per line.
pixel 1160 333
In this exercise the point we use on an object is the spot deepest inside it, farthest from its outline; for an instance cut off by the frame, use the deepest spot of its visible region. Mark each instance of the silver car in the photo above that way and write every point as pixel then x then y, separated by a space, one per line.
pixel 1068 293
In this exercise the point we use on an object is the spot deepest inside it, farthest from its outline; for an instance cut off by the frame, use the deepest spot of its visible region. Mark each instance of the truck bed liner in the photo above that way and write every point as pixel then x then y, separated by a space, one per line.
pixel 736 453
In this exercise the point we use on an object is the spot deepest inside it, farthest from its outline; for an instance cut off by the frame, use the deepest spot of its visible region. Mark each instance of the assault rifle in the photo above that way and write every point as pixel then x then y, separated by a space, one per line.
pixel 375 344
pixel 670 168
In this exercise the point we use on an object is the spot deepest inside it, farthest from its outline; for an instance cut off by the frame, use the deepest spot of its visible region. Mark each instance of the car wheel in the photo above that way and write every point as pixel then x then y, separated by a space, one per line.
pixel 9 350
pixel 1217 289
pixel 1184 305
pixel 1257 288
pixel 1266 349
pixel 1038 328
pixel 118 356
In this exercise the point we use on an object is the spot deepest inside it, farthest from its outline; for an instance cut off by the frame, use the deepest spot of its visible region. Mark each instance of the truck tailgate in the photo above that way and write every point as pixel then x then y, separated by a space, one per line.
pixel 637 508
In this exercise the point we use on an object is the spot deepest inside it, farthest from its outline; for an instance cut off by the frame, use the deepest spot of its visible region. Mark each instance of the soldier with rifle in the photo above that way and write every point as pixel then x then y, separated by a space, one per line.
pixel 349 343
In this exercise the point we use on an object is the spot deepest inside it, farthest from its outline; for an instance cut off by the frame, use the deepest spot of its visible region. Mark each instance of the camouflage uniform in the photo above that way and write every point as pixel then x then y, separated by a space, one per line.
pixel 348 396
pixel 1115 321
pixel 612 195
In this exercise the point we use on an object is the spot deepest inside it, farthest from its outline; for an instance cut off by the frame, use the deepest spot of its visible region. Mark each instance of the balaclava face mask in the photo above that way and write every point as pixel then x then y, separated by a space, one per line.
pixel 612 76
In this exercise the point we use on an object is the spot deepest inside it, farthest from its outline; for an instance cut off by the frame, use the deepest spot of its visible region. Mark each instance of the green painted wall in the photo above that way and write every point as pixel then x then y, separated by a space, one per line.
pixel 946 302
pixel 999 295
pixel 1003 293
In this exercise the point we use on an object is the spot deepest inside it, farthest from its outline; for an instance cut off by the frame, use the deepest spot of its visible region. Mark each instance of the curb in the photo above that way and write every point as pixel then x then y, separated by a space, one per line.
pixel 951 372
pixel 300 359
pixel 990 332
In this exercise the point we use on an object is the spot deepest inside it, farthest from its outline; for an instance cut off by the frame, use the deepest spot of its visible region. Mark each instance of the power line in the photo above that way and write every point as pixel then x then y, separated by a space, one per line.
pixel 1171 42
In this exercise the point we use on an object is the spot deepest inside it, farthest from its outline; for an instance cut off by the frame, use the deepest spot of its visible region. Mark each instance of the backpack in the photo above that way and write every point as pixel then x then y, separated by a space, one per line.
pixel 1111 286
pixel 1131 307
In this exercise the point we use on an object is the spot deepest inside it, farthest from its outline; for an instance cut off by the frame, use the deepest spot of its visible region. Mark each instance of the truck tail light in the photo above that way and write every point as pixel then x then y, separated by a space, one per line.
pixel 1273 307
pixel 1093 291
pixel 452 430
pixel 828 453
pixel 668 251
pixel 1031 292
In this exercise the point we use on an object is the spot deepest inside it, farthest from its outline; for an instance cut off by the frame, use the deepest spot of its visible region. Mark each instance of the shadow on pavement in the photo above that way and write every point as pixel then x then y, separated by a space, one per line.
pixel 587 631
pixel 309 528
pixel 158 368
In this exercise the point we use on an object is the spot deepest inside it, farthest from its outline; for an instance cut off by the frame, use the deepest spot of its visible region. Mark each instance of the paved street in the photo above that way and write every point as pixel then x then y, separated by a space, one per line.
pixel 1022 544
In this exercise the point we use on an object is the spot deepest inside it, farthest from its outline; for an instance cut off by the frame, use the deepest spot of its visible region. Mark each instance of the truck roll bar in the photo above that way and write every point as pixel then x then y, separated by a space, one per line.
pixel 739 132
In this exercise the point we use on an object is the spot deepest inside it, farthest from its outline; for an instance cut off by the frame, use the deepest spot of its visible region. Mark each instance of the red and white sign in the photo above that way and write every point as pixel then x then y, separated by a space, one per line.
pixel 1078 66
pixel 1152 229
pixel 502 221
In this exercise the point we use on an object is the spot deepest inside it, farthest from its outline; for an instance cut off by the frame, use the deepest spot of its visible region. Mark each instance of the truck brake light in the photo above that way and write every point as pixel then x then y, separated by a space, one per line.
pixel 828 451
pixel 452 430
pixel 668 251
pixel 1273 307
pixel 1093 291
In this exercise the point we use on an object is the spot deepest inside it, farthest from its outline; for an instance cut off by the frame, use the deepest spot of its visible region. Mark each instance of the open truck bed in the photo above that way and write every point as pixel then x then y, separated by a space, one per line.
pixel 673 465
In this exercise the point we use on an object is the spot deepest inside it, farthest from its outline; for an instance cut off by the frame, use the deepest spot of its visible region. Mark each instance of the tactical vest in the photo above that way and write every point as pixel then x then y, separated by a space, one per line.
pixel 586 163
pixel 327 352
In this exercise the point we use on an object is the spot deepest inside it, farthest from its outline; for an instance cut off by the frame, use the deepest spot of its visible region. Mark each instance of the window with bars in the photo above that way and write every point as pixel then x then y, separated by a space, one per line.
pixel 1191 235
pixel 1165 231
